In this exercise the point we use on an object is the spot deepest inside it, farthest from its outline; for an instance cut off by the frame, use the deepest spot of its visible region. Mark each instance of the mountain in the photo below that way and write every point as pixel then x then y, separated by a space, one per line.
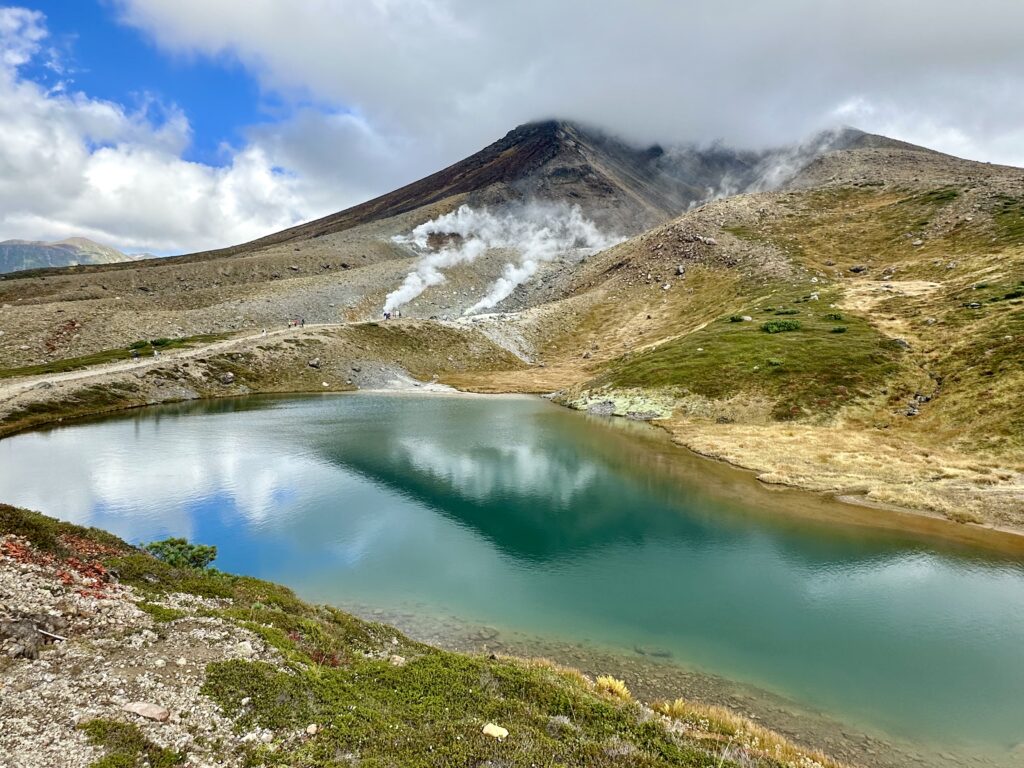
pixel 842 315
pixel 16 255
pixel 619 185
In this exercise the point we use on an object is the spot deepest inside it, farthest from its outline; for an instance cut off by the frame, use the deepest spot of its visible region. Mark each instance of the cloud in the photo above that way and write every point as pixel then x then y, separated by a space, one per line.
pixel 377 93
pixel 73 165
pixel 437 79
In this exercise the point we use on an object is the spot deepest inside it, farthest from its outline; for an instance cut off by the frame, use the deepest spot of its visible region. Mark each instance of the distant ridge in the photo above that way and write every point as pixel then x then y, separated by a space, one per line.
pixel 17 255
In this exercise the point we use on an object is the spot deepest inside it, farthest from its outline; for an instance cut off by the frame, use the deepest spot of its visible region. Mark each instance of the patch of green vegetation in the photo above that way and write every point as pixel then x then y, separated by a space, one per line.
pixel 1008 219
pixel 834 317
pixel 839 329
pixel 787 312
pixel 85 401
pixel 939 196
pixel 178 553
pixel 161 614
pixel 46 533
pixel 110 355
pixel 127 746
pixel 781 326
pixel 430 711
pixel 822 370
pixel 735 318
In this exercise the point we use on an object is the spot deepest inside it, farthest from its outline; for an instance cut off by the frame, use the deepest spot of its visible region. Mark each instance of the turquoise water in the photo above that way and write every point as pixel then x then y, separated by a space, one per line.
pixel 515 512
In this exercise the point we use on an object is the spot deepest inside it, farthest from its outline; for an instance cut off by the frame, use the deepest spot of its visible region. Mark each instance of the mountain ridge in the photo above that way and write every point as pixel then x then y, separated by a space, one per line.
pixel 17 255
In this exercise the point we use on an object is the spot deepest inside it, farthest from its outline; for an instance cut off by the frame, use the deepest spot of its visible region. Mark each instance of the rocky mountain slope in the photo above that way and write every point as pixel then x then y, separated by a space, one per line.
pixel 18 255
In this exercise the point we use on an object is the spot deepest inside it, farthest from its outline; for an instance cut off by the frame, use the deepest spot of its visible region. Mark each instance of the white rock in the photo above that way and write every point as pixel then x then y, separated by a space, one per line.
pixel 245 649
pixel 312 728
pixel 182 661
pixel 159 663
pixel 496 731
pixel 148 710
pixel 396 660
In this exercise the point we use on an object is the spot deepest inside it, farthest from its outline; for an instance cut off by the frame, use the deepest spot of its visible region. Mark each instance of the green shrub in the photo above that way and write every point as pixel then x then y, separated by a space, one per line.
pixel 735 319
pixel 839 329
pixel 834 316
pixel 138 344
pixel 127 746
pixel 178 553
pixel 774 362
pixel 781 326
pixel 788 312
pixel 161 342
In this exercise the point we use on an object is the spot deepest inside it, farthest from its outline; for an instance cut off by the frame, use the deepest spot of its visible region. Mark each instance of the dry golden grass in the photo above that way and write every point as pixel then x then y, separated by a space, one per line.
pixel 613 687
pixel 875 465
pixel 741 734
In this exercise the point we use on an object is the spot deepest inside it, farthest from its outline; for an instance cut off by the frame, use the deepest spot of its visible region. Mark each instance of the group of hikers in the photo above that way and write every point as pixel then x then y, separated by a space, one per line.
pixel 297 322
pixel 393 315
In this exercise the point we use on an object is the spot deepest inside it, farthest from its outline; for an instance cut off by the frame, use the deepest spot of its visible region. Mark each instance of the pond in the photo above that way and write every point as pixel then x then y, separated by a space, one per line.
pixel 513 512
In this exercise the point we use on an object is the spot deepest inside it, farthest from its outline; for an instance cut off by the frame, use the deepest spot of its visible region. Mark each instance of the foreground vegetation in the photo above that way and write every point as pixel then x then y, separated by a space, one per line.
pixel 347 690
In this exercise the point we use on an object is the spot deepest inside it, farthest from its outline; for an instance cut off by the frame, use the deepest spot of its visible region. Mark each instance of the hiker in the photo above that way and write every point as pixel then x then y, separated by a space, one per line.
pixel 302 322
pixel 264 333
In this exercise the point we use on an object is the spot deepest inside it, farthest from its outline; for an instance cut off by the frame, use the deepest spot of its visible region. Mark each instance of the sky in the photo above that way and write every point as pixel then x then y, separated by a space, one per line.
pixel 171 126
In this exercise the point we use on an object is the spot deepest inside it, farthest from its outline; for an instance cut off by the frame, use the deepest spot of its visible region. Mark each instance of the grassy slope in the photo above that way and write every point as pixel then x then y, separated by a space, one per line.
pixel 428 711
pixel 827 360
pixel 918 403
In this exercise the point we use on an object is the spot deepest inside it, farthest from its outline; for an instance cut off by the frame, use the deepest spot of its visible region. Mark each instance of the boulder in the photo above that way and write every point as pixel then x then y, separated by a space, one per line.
pixel 227 378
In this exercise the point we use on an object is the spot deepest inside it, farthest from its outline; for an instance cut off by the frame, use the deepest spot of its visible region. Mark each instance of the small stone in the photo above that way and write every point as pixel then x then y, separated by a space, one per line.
pixel 181 661
pixel 495 731
pixel 246 701
pixel 227 378
pixel 396 660
pixel 159 663
pixel 148 710
pixel 245 649
pixel 918 243
pixel 747 319
pixel 312 728
pixel 314 363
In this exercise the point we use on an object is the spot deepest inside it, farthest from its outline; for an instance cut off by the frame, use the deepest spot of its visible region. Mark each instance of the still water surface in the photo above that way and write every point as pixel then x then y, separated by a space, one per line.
pixel 515 512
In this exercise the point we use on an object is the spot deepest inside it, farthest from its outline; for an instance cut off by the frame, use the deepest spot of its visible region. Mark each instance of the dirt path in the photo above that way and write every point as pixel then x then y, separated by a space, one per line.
pixel 13 387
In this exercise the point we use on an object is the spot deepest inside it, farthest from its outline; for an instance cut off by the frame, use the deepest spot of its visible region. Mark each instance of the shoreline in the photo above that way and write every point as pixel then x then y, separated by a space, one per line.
pixel 850 508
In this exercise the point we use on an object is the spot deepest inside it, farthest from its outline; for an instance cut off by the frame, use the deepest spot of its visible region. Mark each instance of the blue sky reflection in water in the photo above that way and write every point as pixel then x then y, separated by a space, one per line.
pixel 586 530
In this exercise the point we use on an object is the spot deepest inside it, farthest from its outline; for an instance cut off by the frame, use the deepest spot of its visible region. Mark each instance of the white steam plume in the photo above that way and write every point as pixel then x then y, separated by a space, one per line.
pixel 538 232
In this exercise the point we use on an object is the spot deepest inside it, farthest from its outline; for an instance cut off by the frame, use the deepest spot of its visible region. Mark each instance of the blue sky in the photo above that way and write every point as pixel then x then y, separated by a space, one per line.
pixel 180 125
pixel 110 60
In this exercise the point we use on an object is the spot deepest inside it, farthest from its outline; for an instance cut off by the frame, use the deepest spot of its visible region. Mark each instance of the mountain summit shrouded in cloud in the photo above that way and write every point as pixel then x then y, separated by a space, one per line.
pixel 335 102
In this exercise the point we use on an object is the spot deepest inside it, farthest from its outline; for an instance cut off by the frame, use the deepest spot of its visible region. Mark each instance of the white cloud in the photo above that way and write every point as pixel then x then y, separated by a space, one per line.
pixel 443 77
pixel 74 165
pixel 405 87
